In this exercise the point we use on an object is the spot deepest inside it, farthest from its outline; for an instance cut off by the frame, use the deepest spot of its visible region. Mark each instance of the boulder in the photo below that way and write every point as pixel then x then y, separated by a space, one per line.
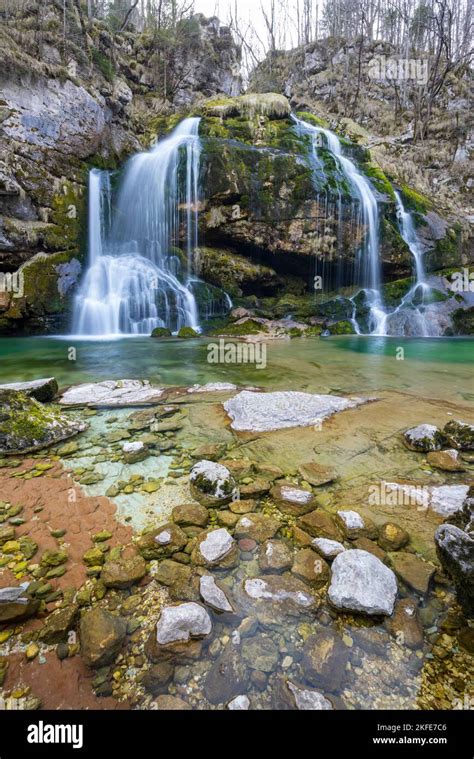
pixel 328 549
pixel 311 567
pixel 180 623
pixel 42 390
pixel 392 537
pixel 460 435
pixel 412 570
pixel 424 437
pixel 123 572
pixel 212 484
pixel 455 550
pixel 162 541
pixel 215 548
pixel 275 556
pixel 102 635
pixel 26 425
pixel 292 500
pixel 213 595
pixel 259 527
pixel 318 524
pixel 190 514
pixel 263 412
pixel 324 659
pixel 447 460
pixel 361 583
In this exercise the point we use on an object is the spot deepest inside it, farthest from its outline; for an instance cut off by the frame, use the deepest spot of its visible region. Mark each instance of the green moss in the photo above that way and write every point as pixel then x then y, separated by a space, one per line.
pixel 248 327
pixel 26 421
pixel 187 332
pixel 415 201
pixel 379 179
pixel 310 118
pixel 104 64
pixel 447 252
pixel 68 214
pixel 393 292
pixel 161 332
pixel 342 328
pixel 463 320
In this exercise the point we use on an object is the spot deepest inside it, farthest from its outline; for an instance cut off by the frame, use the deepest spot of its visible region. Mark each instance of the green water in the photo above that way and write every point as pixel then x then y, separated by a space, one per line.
pixel 427 367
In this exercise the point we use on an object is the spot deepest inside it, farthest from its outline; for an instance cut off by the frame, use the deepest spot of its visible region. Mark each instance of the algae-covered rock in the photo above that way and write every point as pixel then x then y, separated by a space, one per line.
pixel 460 435
pixel 212 484
pixel 102 635
pixel 26 425
pixel 42 390
pixel 187 332
pixel 424 437
pixel 161 332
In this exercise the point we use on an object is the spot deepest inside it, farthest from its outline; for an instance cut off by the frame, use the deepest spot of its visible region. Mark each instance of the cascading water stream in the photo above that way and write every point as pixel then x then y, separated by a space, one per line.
pixel 134 280
pixel 369 274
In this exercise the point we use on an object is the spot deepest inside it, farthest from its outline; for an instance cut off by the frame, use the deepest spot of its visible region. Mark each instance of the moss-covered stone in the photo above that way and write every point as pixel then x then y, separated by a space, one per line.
pixel 342 328
pixel 415 201
pixel 187 332
pixel 161 332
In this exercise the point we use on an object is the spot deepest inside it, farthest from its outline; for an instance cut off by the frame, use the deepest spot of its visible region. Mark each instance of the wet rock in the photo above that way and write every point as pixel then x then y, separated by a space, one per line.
pixel 170 572
pixel 324 659
pixel 455 550
pixel 354 525
pixel 187 514
pixel 215 548
pixel 93 557
pixel 263 412
pixel 318 524
pixel 239 703
pixel 16 604
pixel 212 484
pixel 305 699
pixel 311 567
pixel 447 461
pixel 213 595
pixel 58 624
pixel 259 527
pixel 316 474
pixel 162 542
pixel 134 452
pixel 255 489
pixel 182 622
pixel 26 425
pixel 42 390
pixel 361 583
pixel 227 677
pixel 51 558
pixel 460 435
pixel 392 537
pixel 405 624
pixel 157 677
pixel 260 652
pixel 123 572
pixel 171 703
pixel 110 393
pixel 424 437
pixel 243 507
pixel 272 598
pixel 102 636
pixel 226 518
pixel 328 549
pixel 275 556
pixel 365 544
pixel 210 451
pixel 293 500
pixel 412 570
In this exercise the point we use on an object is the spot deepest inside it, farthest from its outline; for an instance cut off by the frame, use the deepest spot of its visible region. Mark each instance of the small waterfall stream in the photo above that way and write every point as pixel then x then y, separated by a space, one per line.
pixel 369 273
pixel 136 279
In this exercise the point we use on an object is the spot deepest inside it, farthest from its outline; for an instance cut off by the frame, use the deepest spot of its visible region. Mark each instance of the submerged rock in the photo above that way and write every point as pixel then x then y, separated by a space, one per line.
pixel 424 437
pixel 43 390
pixel 392 537
pixel 26 425
pixel 213 595
pixel 259 527
pixel 405 624
pixel 215 548
pixel 272 598
pixel 275 556
pixel 318 524
pixel 239 703
pixel 412 570
pixel 316 474
pixel 180 623
pixel 354 526
pixel 293 500
pixel 460 435
pixel 447 461
pixel 311 567
pixel 134 452
pixel 228 676
pixel 123 572
pixel 190 514
pixel 102 636
pixel 361 583
pixel 162 541
pixel 116 393
pixel 212 484
pixel 305 699
pixel 263 412
pixel 324 659
pixel 455 550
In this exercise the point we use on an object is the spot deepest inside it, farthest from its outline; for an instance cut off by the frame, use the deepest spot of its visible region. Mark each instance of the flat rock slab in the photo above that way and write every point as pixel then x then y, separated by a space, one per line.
pixel 112 393
pixel 43 390
pixel 265 412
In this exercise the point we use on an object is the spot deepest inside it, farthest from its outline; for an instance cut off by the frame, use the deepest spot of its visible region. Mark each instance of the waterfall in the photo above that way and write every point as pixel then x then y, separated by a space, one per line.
pixel 369 273
pixel 138 278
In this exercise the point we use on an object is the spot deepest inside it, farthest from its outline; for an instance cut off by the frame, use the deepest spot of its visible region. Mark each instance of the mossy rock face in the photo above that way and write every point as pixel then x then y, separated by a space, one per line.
pixel 187 332
pixel 233 272
pixel 415 201
pixel 463 320
pixel 447 251
pixel 379 179
pixel 161 332
pixel 393 292
pixel 241 328
pixel 26 425
pixel 342 328
pixel 336 309
pixel 271 105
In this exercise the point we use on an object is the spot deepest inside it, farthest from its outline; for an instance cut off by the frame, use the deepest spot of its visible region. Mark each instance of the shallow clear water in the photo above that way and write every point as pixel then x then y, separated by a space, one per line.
pixel 429 367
